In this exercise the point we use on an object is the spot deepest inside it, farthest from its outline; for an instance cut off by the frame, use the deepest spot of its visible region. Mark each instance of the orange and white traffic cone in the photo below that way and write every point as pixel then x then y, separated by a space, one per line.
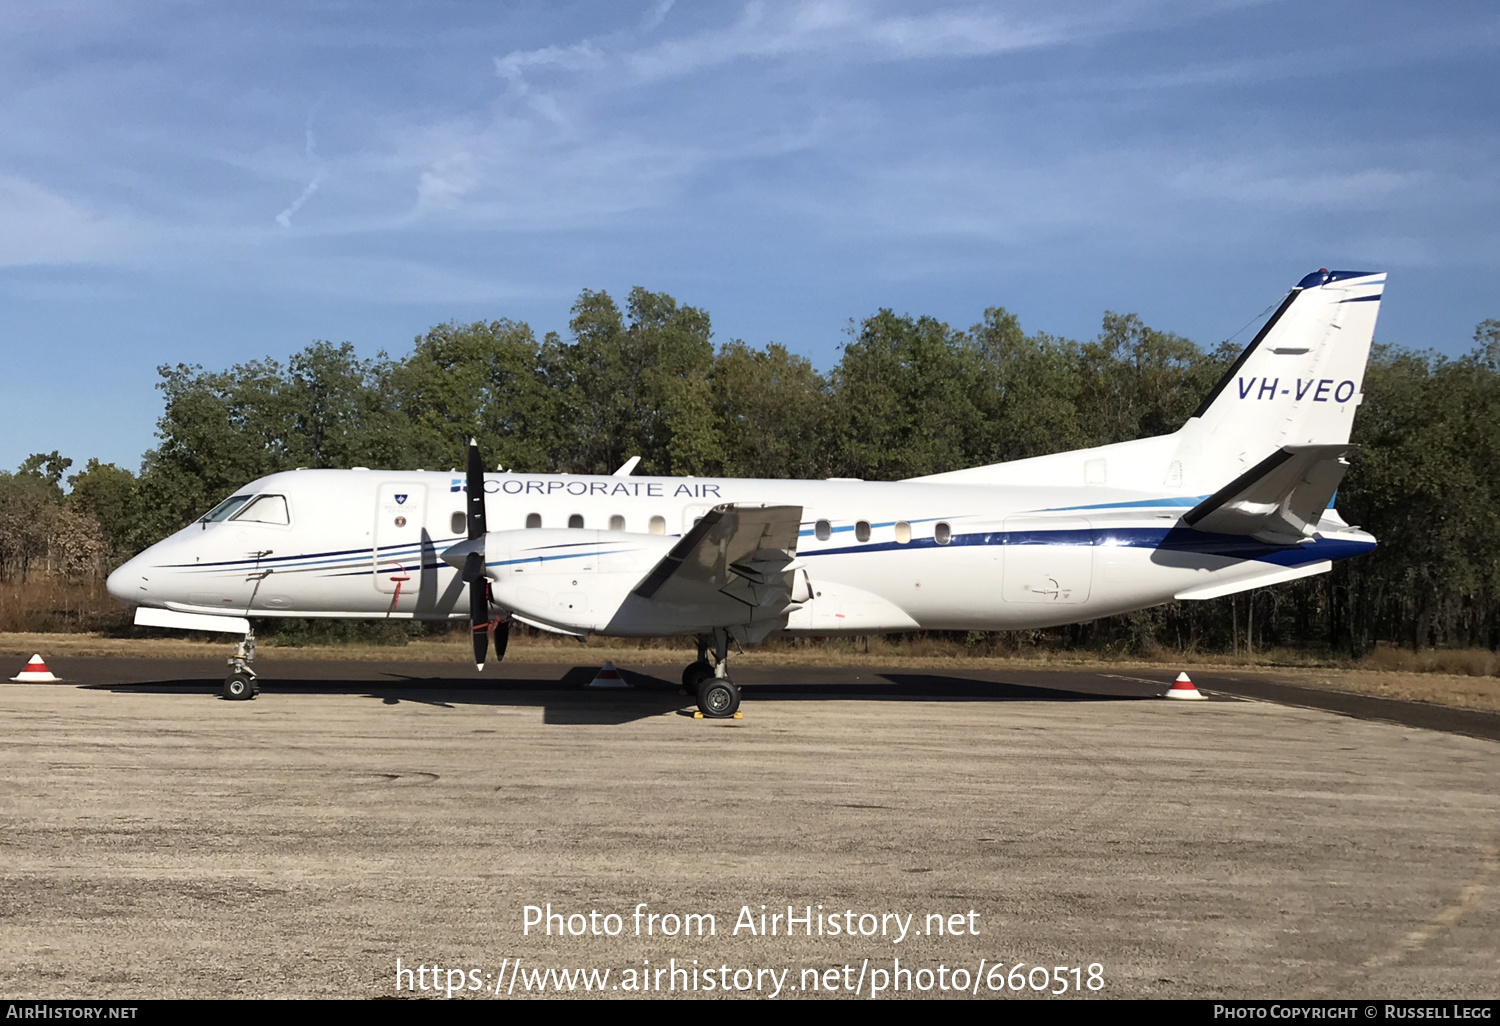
pixel 1182 687
pixel 608 677
pixel 36 670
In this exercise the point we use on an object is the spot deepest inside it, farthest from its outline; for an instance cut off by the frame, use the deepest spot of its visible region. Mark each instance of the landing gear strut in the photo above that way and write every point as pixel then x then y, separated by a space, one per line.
pixel 697 672
pixel 718 697
pixel 240 685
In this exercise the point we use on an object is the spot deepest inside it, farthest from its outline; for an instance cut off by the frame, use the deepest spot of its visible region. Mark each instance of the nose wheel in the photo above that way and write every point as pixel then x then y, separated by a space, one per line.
pixel 240 687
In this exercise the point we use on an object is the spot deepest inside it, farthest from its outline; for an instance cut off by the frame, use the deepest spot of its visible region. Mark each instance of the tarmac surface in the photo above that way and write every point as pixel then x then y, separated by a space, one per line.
pixel 158 841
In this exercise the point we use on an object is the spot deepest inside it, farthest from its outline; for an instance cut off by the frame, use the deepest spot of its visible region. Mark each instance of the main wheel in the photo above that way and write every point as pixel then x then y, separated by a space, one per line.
pixel 718 698
pixel 239 687
pixel 696 673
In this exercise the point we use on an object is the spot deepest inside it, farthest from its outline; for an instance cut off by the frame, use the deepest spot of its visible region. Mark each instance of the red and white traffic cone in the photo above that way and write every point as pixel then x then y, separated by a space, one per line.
pixel 35 670
pixel 1182 687
pixel 608 677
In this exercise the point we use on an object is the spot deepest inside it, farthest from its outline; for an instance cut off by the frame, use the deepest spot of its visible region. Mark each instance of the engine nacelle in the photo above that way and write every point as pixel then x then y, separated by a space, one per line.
pixel 569 577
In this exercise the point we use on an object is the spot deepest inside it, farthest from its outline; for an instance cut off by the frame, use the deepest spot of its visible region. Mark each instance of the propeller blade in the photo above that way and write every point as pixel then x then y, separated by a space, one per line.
pixel 473 567
pixel 474 483
pixel 500 635
pixel 481 626
pixel 479 621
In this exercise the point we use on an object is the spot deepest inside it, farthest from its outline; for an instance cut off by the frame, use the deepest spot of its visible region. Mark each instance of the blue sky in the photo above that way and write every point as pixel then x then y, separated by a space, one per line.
pixel 215 183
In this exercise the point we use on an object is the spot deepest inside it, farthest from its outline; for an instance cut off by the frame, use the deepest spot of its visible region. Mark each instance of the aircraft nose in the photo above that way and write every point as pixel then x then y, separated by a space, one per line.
pixel 129 583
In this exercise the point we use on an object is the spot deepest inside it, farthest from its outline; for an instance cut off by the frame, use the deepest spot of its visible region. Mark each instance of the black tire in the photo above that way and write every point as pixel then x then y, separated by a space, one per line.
pixel 718 698
pixel 696 674
pixel 240 687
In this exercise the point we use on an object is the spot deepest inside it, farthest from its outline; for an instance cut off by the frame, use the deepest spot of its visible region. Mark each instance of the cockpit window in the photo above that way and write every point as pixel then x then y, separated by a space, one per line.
pixel 223 510
pixel 264 509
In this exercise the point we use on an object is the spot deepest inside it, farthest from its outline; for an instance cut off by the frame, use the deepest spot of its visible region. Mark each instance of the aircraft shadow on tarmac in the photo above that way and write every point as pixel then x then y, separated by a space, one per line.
pixel 568 700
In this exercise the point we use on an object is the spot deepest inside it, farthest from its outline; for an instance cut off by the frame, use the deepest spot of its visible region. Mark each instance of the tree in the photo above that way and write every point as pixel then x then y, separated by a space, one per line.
pixel 481 380
pixel 903 401
pixel 771 409
pixel 109 495
pixel 637 387
pixel 1138 382
pixel 1029 404
pixel 46 467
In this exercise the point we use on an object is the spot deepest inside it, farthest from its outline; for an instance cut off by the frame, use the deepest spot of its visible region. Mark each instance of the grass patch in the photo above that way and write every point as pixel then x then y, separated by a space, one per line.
pixel 60 604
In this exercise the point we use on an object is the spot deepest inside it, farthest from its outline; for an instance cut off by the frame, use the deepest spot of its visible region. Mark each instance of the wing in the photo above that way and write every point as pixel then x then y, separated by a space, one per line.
pixel 748 553
pixel 1280 499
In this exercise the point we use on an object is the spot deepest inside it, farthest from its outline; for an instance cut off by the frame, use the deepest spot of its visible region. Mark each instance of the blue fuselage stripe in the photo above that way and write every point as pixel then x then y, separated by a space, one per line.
pixel 1174 539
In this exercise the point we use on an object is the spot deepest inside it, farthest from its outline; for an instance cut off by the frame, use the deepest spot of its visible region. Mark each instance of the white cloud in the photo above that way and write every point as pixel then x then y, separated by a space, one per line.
pixel 39 227
pixel 656 15
pixel 285 217
pixel 1303 182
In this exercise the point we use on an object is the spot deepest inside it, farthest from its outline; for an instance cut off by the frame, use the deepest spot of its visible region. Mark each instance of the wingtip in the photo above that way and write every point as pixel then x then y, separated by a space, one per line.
pixel 479 667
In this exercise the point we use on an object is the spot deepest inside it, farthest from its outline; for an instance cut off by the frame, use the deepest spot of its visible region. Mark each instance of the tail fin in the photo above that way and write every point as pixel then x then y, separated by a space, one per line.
pixel 1297 383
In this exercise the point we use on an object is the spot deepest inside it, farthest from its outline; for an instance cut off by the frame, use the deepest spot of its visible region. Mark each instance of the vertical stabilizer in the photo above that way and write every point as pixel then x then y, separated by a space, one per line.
pixel 1297 383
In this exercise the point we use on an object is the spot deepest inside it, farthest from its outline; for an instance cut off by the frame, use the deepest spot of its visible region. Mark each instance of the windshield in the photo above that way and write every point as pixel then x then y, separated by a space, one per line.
pixel 223 510
pixel 266 509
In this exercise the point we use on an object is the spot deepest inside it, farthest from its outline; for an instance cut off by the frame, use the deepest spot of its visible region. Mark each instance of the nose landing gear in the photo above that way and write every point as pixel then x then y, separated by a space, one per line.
pixel 240 685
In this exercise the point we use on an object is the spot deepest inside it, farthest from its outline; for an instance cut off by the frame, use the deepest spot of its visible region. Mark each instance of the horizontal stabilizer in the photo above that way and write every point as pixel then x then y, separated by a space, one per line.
pixel 1267 577
pixel 1280 499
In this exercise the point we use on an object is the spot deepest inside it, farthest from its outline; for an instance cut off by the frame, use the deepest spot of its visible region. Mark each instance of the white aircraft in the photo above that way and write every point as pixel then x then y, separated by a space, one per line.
pixel 1238 498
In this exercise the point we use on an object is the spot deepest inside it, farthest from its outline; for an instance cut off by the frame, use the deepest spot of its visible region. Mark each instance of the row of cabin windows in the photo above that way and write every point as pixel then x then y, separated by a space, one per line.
pixel 657 525
pixel 941 532
pixel 823 530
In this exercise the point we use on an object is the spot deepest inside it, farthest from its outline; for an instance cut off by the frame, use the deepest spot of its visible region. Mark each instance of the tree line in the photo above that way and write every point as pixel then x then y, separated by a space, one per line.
pixel 908 396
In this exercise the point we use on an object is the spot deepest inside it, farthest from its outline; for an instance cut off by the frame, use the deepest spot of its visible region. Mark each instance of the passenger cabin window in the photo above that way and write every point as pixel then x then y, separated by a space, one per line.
pixel 862 530
pixel 658 525
pixel 942 534
pixel 533 520
pixel 459 524
pixel 617 523
pixel 576 520
pixel 224 509
pixel 822 530
pixel 903 532
pixel 264 509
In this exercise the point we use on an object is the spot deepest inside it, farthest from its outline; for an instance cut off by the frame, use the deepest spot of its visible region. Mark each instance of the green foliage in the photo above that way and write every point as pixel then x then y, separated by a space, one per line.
pixel 1427 484
pixel 903 399
pixel 636 387
pixel 110 495
pixel 1138 382
pixel 484 381
pixel 39 533
pixel 771 409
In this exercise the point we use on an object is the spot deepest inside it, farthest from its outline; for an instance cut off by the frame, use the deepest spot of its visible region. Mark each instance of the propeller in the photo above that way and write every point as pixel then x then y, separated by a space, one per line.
pixel 481 625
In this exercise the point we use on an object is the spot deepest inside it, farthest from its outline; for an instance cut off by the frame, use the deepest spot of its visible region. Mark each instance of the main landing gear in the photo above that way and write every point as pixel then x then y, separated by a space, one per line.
pixel 240 685
pixel 718 696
